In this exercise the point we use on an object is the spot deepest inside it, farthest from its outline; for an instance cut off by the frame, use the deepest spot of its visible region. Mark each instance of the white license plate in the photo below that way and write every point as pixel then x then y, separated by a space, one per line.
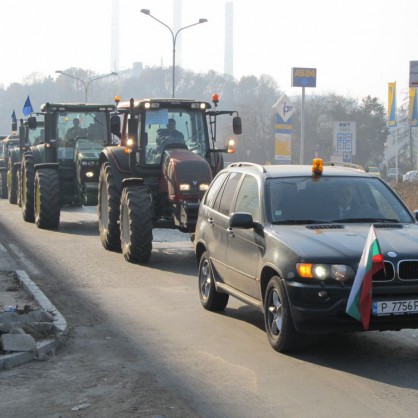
pixel 394 307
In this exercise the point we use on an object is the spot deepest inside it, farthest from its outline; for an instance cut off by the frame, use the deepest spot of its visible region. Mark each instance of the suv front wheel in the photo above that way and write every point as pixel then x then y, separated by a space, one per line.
pixel 281 332
pixel 209 297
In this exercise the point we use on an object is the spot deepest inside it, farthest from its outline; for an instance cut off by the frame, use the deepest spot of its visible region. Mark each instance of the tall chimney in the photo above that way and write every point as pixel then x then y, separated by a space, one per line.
pixel 229 41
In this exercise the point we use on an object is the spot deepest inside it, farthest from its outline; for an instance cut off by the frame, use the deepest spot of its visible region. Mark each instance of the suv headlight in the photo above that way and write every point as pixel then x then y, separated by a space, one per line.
pixel 338 272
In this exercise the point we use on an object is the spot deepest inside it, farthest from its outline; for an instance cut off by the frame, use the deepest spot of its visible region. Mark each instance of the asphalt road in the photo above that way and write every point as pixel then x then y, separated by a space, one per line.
pixel 148 320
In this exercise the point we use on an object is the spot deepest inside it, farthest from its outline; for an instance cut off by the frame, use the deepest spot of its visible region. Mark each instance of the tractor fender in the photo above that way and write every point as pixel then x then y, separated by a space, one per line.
pixel 118 161
pixel 46 165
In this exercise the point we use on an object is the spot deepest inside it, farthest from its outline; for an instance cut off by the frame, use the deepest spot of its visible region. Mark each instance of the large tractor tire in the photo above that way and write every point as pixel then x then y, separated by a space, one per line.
pixel 47 198
pixel 3 184
pixel 27 185
pixel 108 209
pixel 12 185
pixel 136 224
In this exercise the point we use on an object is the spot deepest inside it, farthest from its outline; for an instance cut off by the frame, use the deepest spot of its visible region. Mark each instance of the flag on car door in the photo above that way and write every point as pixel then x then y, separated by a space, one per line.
pixel 27 107
pixel 359 304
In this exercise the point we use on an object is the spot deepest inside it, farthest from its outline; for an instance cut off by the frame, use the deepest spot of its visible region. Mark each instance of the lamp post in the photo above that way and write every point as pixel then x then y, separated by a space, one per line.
pixel 86 83
pixel 174 38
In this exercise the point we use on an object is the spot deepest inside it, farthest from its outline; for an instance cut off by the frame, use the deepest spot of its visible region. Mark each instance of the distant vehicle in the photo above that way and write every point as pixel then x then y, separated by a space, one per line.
pixel 7 182
pixel 410 176
pixel 393 173
pixel 287 239
pixel 375 171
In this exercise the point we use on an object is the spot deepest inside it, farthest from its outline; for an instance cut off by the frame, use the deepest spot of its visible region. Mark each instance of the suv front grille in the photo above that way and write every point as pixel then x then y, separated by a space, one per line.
pixel 385 275
pixel 408 270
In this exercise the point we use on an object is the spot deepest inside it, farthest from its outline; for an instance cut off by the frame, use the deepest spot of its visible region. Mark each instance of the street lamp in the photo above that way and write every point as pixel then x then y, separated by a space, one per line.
pixel 86 83
pixel 174 37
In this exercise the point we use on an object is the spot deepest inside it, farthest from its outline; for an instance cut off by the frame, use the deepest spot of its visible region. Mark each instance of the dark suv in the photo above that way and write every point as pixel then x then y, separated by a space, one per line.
pixel 288 240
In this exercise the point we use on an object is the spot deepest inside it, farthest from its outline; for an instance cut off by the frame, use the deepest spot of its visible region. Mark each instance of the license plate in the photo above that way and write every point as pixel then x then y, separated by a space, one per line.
pixel 394 307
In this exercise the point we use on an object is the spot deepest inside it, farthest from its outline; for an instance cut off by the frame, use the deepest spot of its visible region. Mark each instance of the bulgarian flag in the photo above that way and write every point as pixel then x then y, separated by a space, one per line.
pixel 359 304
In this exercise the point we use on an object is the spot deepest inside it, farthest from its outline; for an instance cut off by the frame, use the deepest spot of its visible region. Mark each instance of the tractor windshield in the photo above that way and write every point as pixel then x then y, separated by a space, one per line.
pixel 36 136
pixel 88 131
pixel 183 128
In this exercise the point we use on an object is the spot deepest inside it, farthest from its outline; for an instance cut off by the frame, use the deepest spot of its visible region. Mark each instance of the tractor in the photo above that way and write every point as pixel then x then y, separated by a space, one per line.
pixel 158 174
pixel 30 131
pixel 61 168
pixel 8 184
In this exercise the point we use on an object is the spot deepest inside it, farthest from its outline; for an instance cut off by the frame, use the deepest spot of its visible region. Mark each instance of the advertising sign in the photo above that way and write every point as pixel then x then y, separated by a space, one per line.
pixel 413 73
pixel 345 140
pixel 413 107
pixel 303 77
pixel 284 108
pixel 392 105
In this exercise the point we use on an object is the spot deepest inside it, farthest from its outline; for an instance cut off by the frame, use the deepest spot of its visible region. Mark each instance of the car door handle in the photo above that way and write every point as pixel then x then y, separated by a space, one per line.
pixel 231 232
pixel 210 221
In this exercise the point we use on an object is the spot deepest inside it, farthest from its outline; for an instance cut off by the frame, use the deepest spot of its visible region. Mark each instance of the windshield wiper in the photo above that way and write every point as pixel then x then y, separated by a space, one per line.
pixel 372 220
pixel 299 222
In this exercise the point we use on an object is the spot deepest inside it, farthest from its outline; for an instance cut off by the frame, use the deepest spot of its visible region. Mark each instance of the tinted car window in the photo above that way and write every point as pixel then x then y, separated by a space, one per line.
pixel 308 199
pixel 248 198
pixel 225 198
pixel 214 188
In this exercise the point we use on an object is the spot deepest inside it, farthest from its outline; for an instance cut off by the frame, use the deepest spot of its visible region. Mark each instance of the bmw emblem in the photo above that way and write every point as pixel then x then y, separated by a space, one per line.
pixel 392 254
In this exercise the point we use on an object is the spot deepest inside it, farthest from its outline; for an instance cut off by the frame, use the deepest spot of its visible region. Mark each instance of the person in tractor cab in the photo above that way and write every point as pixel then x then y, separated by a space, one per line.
pixel 74 133
pixel 170 135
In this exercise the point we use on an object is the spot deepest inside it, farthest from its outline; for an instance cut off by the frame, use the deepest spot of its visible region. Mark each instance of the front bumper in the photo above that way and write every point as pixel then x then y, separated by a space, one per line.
pixel 315 312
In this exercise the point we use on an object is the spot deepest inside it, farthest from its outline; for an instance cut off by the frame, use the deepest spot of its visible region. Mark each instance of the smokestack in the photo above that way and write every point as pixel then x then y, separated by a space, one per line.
pixel 114 50
pixel 229 34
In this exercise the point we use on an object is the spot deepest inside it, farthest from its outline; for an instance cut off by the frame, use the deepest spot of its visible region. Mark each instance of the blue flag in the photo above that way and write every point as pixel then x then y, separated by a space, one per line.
pixel 27 107
pixel 14 119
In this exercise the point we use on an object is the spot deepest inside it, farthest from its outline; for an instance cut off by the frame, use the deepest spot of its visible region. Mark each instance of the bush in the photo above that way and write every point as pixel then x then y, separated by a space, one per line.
pixel 408 192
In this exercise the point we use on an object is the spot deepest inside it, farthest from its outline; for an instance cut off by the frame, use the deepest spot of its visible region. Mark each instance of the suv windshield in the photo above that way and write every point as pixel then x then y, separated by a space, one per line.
pixel 182 128
pixel 333 199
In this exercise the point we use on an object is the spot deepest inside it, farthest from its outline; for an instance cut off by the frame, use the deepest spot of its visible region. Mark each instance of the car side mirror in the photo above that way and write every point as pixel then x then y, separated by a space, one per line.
pixel 242 220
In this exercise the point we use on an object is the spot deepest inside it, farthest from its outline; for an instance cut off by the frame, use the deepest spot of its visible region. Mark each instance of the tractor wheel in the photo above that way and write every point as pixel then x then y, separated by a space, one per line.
pixel 27 184
pixel 12 185
pixel 19 194
pixel 108 208
pixel 3 185
pixel 136 224
pixel 47 198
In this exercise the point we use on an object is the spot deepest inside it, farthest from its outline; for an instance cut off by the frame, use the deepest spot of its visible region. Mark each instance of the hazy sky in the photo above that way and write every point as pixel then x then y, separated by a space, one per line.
pixel 357 46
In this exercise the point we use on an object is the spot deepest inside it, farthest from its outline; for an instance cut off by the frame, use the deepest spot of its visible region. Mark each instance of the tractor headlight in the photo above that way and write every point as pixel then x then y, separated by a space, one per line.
pixel 89 174
pixel 184 187
pixel 129 142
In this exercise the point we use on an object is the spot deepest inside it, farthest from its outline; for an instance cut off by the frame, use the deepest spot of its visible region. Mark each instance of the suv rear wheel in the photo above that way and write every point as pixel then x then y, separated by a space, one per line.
pixel 281 332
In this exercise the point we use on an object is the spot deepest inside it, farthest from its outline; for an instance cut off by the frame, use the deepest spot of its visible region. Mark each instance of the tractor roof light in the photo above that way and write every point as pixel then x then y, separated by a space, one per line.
pixel 117 100
pixel 215 99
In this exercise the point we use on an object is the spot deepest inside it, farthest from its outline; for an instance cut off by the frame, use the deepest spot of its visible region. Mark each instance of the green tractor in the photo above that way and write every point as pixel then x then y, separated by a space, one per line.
pixel 63 168
pixel 30 131
pixel 159 174
pixel 8 183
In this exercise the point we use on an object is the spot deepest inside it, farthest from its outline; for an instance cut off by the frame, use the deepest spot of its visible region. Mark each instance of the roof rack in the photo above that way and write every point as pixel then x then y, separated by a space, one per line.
pixel 343 164
pixel 259 167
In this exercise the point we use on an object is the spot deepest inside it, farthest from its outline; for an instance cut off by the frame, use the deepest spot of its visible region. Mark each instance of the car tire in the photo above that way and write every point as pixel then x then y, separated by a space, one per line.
pixel 47 198
pixel 281 332
pixel 136 224
pixel 27 188
pixel 210 298
pixel 108 208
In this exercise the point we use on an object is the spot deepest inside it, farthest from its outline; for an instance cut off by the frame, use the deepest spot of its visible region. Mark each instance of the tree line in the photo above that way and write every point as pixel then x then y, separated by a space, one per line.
pixel 253 97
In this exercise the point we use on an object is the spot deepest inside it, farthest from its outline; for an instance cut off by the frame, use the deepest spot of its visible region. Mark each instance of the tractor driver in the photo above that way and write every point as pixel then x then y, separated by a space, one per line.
pixel 170 135
pixel 74 132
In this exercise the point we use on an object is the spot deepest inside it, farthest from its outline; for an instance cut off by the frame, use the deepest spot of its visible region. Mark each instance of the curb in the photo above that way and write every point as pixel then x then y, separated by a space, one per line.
pixel 44 347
